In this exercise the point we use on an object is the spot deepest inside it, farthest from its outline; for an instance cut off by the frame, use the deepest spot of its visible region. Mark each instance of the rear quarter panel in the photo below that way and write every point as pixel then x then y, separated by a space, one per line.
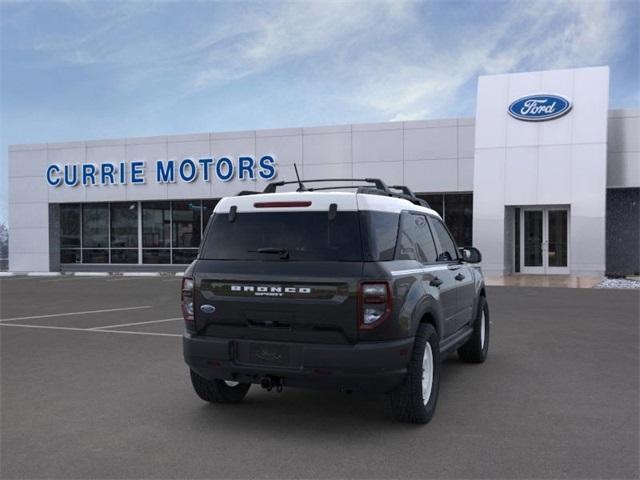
pixel 413 298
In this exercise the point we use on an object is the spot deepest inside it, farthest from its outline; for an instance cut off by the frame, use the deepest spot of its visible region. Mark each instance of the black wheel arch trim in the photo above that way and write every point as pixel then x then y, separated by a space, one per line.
pixel 428 311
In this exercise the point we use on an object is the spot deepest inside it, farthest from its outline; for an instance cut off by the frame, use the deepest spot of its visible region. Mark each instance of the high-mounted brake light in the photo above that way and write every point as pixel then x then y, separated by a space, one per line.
pixel 374 304
pixel 282 204
pixel 186 299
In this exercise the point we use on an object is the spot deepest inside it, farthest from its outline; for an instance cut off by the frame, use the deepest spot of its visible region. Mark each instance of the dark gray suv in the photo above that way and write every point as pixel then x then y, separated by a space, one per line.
pixel 349 287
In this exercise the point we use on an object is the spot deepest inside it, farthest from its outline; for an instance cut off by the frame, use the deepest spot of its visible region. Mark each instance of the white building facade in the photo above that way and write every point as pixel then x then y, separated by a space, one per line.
pixel 545 180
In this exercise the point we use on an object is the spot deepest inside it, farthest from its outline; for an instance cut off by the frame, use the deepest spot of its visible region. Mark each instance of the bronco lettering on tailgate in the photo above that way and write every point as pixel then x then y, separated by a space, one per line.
pixel 269 291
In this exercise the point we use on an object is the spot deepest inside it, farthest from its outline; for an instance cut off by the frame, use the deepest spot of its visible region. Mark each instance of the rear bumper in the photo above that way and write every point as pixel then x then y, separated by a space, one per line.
pixel 368 367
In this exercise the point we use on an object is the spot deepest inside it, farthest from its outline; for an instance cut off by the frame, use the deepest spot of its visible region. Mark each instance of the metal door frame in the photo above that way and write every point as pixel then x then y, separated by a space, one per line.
pixel 545 269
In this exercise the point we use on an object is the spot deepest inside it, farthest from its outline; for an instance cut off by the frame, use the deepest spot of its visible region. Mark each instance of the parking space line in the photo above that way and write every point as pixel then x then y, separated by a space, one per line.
pixel 75 313
pixel 74 329
pixel 124 279
pixel 72 278
pixel 136 323
pixel 18 279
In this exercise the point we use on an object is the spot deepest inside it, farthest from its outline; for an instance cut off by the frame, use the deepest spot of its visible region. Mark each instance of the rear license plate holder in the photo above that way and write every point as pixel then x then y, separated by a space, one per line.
pixel 268 354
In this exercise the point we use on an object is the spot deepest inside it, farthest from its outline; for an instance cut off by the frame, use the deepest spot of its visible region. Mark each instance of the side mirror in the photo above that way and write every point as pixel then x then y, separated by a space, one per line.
pixel 470 254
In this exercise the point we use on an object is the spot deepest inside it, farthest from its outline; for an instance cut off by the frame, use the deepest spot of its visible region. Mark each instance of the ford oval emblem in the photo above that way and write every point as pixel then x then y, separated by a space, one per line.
pixel 206 308
pixel 536 108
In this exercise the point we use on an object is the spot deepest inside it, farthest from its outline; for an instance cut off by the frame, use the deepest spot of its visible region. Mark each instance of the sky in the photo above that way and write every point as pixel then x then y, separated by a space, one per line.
pixel 73 70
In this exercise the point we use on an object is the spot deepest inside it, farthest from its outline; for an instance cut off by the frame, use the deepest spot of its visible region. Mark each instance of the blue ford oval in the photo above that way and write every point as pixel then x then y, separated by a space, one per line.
pixel 536 108
pixel 206 308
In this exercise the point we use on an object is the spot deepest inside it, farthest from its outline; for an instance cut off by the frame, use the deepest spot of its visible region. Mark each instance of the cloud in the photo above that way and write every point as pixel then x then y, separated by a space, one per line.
pixel 217 43
pixel 393 58
pixel 534 36
pixel 293 31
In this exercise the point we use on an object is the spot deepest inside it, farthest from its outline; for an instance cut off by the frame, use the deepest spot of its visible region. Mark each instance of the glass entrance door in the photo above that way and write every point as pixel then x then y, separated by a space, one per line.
pixel 533 241
pixel 544 240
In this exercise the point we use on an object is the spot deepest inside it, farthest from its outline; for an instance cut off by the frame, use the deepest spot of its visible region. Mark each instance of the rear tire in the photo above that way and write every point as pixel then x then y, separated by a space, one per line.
pixel 476 348
pixel 218 391
pixel 415 400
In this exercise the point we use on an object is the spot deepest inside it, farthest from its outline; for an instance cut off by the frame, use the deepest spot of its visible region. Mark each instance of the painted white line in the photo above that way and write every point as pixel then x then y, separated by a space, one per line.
pixel 136 323
pixel 121 278
pixel 73 329
pixel 91 274
pixel 43 274
pixel 70 278
pixel 75 313
pixel 7 274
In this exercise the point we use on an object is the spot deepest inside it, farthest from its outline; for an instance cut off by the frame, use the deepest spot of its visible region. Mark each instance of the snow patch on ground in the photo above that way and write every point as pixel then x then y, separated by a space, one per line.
pixel 618 283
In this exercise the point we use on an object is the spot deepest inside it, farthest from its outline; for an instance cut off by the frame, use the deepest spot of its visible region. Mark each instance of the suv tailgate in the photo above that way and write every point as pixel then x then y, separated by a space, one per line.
pixel 301 301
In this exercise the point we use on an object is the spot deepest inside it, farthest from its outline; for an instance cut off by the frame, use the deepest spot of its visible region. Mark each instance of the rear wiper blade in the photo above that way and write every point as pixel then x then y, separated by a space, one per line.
pixel 283 252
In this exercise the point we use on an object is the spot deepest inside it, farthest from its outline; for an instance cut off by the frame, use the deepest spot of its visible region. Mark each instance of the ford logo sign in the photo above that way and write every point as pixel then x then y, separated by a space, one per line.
pixel 536 108
pixel 206 308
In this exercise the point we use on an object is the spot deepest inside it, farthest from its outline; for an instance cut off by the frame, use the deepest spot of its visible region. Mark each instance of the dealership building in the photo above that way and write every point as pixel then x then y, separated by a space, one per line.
pixel 544 180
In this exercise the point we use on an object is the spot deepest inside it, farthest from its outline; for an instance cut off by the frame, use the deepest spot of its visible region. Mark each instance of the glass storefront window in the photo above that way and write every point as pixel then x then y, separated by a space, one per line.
pixel 94 255
pixel 127 255
pixel 95 225
pixel 70 255
pixel 69 226
pixel 108 232
pixel 458 211
pixel 184 255
pixel 156 255
pixel 435 201
pixel 186 218
pixel 156 224
pixel 207 209
pixel 124 225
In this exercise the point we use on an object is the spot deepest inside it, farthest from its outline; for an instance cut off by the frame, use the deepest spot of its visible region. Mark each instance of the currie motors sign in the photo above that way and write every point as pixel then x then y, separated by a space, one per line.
pixel 188 170
pixel 537 108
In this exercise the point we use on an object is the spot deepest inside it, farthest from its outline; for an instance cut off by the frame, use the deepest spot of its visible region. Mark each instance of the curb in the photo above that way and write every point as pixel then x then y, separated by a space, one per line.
pixel 140 274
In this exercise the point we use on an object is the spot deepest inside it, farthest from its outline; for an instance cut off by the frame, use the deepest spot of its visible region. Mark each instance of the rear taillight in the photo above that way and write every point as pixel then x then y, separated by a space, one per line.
pixel 186 299
pixel 374 304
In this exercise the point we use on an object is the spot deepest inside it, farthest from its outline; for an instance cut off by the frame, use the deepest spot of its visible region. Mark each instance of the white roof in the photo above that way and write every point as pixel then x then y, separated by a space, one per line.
pixel 319 201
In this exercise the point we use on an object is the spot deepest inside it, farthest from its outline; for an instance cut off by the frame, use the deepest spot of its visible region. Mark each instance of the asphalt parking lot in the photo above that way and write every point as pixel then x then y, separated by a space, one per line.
pixel 94 386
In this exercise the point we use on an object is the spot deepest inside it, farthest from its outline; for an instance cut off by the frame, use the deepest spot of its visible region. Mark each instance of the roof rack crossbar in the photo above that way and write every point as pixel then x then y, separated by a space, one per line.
pixel 409 193
pixel 243 193
pixel 404 189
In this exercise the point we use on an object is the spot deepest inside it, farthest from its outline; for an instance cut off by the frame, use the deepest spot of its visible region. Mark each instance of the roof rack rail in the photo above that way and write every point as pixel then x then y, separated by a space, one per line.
pixel 375 187
pixel 243 193
pixel 379 184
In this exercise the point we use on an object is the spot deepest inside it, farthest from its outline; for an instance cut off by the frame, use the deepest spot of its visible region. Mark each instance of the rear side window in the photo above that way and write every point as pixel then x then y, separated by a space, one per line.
pixel 307 236
pixel 380 234
pixel 448 251
pixel 415 241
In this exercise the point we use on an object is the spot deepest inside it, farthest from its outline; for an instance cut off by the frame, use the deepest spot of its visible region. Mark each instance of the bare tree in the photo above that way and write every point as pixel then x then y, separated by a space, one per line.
pixel 4 246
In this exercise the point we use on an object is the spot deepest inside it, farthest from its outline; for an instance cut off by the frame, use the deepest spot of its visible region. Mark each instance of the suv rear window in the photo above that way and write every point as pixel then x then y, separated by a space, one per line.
pixel 303 235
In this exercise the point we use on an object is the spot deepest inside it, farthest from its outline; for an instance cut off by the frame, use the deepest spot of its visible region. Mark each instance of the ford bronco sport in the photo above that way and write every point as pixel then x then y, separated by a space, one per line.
pixel 325 288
